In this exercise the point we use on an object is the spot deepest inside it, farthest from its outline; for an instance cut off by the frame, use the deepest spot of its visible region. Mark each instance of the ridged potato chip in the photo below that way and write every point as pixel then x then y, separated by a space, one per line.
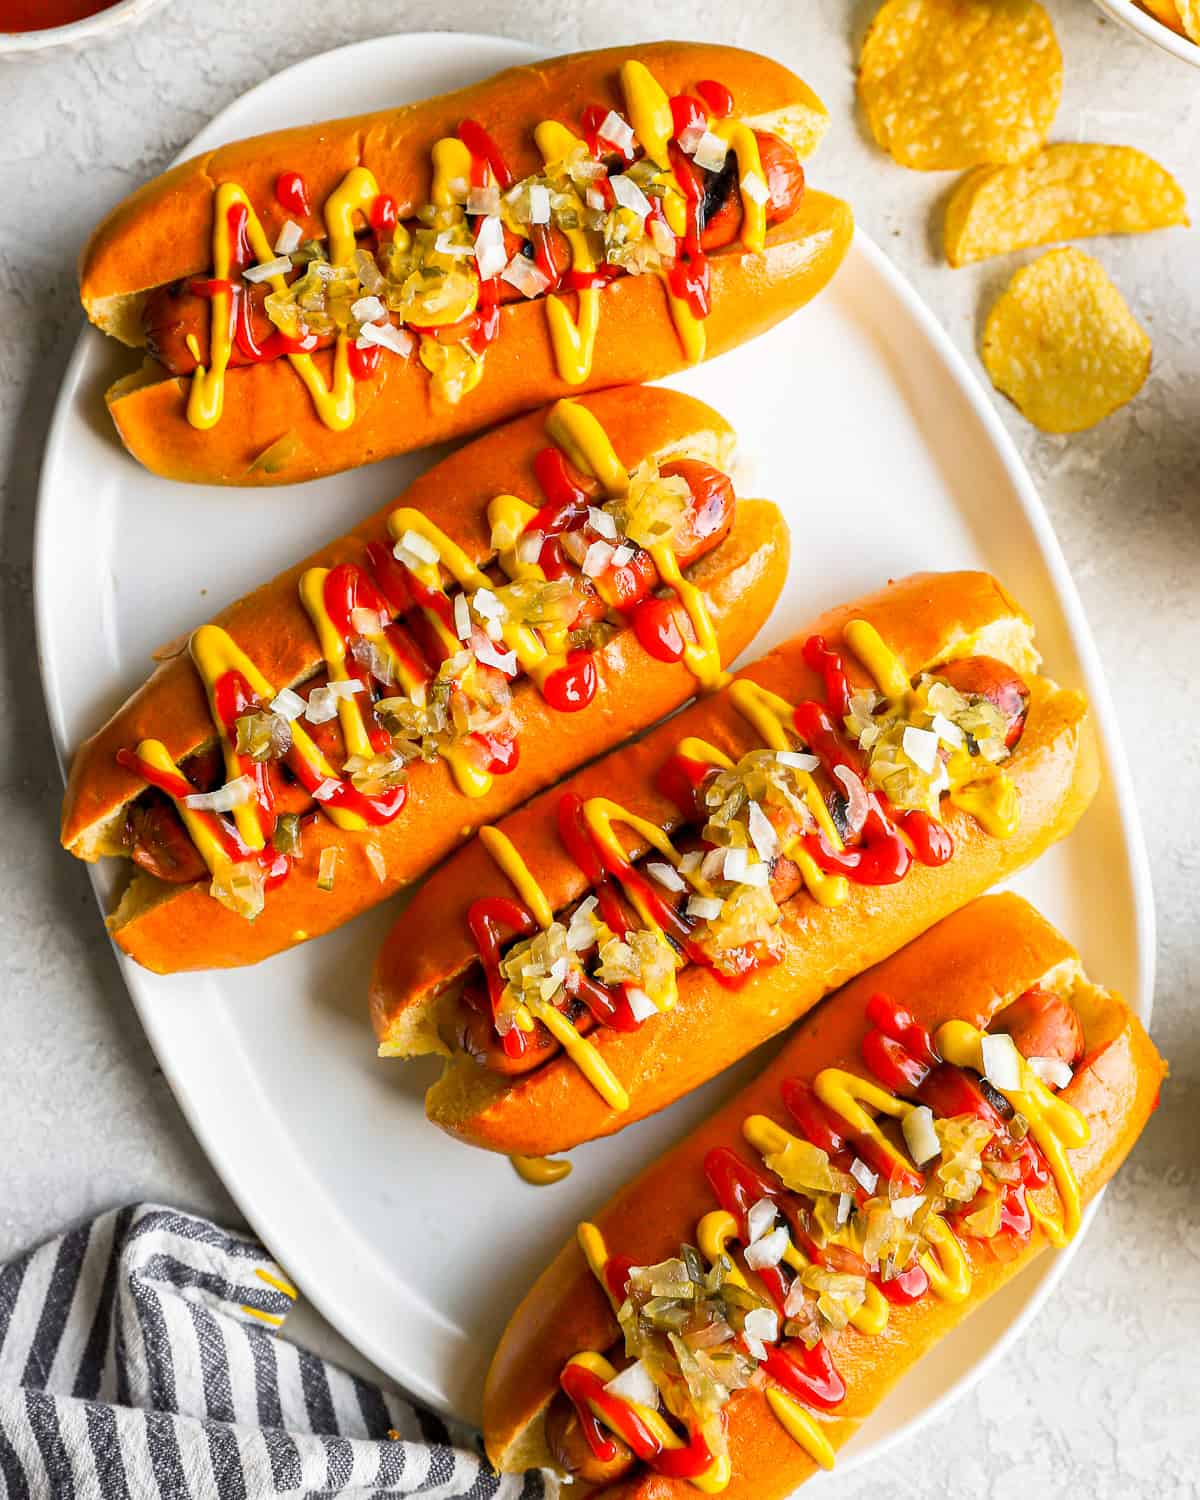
pixel 1062 193
pixel 1165 11
pixel 955 83
pixel 1189 14
pixel 1062 345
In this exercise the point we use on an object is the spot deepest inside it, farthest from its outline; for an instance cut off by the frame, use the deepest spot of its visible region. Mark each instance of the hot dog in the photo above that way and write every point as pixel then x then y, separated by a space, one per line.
pixel 334 294
pixel 358 716
pixel 624 937
pixel 853 1212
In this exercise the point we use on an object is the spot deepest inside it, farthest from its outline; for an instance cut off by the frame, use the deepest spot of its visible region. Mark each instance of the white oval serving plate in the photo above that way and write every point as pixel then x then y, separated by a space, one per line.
pixel 860 418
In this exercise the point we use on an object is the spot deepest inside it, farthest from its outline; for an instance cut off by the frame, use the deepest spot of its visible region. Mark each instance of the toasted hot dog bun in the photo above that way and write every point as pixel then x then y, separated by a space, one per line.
pixel 969 967
pixel 163 233
pixel 170 928
pixel 927 619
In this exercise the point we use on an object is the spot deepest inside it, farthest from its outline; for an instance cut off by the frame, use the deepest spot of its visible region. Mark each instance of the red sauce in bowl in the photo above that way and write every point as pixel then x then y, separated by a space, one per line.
pixel 44 15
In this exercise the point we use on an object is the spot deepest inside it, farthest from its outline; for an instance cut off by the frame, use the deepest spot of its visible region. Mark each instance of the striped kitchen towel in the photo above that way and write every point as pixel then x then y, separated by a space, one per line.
pixel 139 1358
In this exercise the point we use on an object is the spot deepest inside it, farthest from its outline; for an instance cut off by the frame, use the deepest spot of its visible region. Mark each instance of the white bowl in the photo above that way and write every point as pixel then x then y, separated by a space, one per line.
pixel 1135 19
pixel 74 35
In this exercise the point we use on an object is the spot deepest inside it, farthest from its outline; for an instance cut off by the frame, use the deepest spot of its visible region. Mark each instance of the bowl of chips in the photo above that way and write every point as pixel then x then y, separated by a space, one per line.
pixel 1173 25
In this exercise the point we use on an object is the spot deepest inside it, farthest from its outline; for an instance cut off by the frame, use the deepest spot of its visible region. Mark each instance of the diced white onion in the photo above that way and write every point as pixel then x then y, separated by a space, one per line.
pixel 707 908
pixel 710 152
pixel 754 188
pixel 629 195
pixel 377 862
pixel 289 238
pixel 269 268
pixel 321 706
pixel 420 547
pixel 529 546
pixel 346 687
pixel 737 867
pixel 947 730
pixel 367 310
pixel 558 969
pixel 539 204
pixel 623 554
pixel 487 605
pixel 385 336
pixel 857 806
pixel 575 545
pixel 1051 1070
pixel 760 1219
pixel 618 132
pixel 904 1208
pixel 921 747
pixel 768 1251
pixel 326 789
pixel 235 793
pixel 919 1135
pixel 462 617
pixel 484 200
pixel 797 759
pixel 525 275
pixel 762 1323
pixel 712 864
pixel 663 239
pixel 762 833
pixel 503 661
pixel 287 705
pixel 691 861
pixel 665 875
pixel 596 559
pixel 602 522
pixel 843 1207
pixel 446 244
pixel 366 621
pixel 636 1384
pixel 1001 1061
pixel 490 254
pixel 863 1175
pixel 595 200
pixel 640 1004
pixel 691 136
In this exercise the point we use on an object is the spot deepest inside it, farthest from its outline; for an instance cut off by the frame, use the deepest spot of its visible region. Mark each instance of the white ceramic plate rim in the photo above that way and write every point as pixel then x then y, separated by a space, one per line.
pixel 295 1252
pixel 88 28
pixel 1151 30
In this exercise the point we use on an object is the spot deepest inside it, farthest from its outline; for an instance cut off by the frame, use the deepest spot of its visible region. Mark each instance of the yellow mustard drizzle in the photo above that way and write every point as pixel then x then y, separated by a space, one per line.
pixel 572 338
pixel 155 754
pixel 334 403
pixel 768 713
pixel 540 1171
pixel 215 652
pixel 579 1049
pixel 986 794
pixel 1055 1125
pixel 333 649
pixel 586 444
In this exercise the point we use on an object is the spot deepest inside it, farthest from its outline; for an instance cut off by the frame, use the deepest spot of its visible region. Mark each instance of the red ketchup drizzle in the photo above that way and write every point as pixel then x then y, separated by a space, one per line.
pixel 232 698
pixel 291 192
pixel 656 626
pixel 347 589
pixel 383 215
pixel 616 1274
pixel 573 835
pixel 484 150
pixel 689 281
pixel 599 145
pixel 567 500
pixel 544 254
pixel 738 1187
pixel 717 97
pixel 586 1390
pixel 241 321
pixel 485 919
pixel 687 111
pixel 583 281
pixel 572 686
pixel 363 362
pixel 897 1049
pixel 680 779
pixel 830 668
pixel 807 1373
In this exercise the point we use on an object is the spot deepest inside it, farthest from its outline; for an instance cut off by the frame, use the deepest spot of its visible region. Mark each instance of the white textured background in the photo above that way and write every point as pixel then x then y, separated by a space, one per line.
pixel 1100 1399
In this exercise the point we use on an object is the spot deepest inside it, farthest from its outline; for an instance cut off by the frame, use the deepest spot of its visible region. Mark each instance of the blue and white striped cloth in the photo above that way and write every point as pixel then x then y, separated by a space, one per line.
pixel 139 1360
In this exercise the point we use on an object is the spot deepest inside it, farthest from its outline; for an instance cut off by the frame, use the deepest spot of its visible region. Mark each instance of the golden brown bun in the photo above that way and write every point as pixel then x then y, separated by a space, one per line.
pixel 168 928
pixel 636 341
pixel 970 966
pixel 927 619
pixel 163 233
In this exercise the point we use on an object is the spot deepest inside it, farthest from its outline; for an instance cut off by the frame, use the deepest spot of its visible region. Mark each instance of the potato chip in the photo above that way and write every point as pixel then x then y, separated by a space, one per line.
pixel 1165 11
pixel 954 83
pixel 1189 15
pixel 1062 345
pixel 1062 193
